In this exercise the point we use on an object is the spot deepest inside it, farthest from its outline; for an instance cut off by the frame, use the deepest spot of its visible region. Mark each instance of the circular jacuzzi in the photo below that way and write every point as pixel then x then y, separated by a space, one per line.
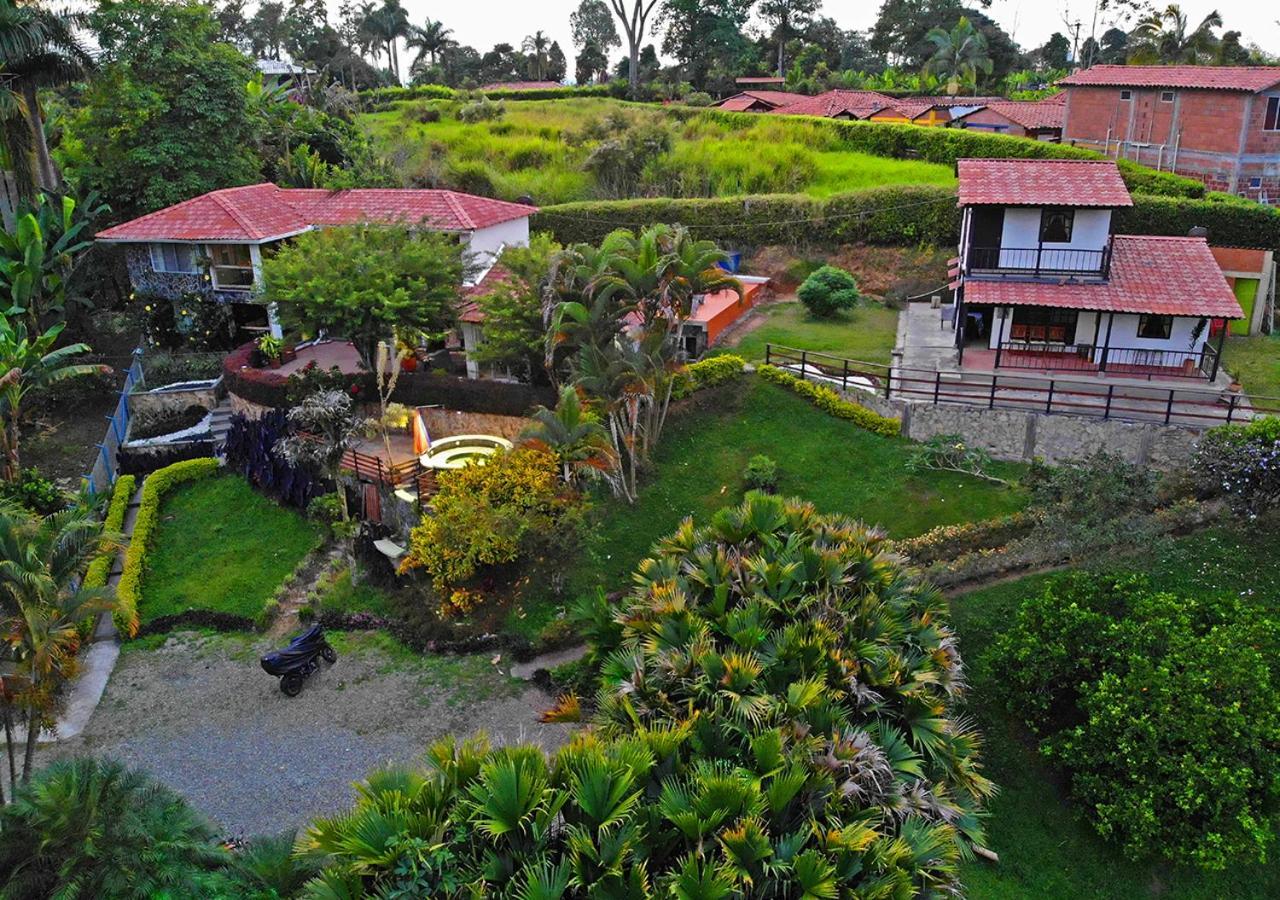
pixel 462 449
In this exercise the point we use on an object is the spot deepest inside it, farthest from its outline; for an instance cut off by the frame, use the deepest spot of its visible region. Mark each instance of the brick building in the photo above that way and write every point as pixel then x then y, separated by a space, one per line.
pixel 1220 124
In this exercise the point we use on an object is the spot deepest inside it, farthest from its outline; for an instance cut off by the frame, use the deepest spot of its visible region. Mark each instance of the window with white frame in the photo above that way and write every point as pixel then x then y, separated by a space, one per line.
pixel 175 258
pixel 1126 95
pixel 232 267
pixel 1166 96
pixel 1157 327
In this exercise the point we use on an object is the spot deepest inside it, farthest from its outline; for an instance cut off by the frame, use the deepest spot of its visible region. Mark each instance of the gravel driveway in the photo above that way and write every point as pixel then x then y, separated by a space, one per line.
pixel 200 715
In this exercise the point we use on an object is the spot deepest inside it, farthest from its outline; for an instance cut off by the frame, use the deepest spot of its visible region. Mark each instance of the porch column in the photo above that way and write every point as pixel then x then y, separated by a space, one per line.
pixel 998 322
pixel 1106 344
pixel 273 313
pixel 959 323
pixel 273 321
pixel 1217 357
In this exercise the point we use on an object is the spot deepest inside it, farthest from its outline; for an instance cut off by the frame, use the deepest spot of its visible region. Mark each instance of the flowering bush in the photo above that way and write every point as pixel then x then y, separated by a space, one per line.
pixel 1243 463
pixel 1164 711
pixel 513 508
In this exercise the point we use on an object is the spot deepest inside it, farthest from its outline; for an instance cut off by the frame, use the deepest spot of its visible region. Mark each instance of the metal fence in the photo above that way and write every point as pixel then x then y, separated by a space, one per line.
pixel 1112 399
pixel 102 473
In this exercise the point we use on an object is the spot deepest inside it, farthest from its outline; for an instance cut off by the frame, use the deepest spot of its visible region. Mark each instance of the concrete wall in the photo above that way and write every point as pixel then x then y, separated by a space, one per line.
pixel 146 404
pixel 486 243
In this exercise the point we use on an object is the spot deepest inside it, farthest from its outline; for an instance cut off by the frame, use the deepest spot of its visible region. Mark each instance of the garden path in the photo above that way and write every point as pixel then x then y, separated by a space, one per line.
pixel 199 714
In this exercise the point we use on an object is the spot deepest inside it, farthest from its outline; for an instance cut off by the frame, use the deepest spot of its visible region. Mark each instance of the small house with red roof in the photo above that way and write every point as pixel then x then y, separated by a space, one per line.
pixel 1220 124
pixel 1043 284
pixel 1040 120
pixel 759 101
pixel 213 244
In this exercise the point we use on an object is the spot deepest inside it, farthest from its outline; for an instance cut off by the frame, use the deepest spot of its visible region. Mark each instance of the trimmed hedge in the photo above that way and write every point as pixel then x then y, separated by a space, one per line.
pixel 906 214
pixel 832 403
pixel 888 215
pixel 129 591
pixel 709 372
pixel 947 542
pixel 382 98
pixel 100 569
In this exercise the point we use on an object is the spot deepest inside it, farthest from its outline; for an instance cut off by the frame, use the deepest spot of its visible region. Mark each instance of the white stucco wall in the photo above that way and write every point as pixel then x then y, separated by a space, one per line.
pixel 1022 229
pixel 1124 333
pixel 486 243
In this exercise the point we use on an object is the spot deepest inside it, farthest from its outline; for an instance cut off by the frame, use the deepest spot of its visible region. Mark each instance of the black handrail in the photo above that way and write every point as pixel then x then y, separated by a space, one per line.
pixel 1038 261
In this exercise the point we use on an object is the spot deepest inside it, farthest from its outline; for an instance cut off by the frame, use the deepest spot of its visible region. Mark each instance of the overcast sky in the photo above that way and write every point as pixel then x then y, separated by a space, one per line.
pixel 482 23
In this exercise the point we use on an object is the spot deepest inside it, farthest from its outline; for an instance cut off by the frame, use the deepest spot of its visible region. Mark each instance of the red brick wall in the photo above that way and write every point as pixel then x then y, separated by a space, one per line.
pixel 1209 120
pixel 1260 141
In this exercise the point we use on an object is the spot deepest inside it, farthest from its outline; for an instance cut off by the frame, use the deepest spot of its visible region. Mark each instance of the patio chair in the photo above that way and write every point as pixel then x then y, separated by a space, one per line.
pixel 948 316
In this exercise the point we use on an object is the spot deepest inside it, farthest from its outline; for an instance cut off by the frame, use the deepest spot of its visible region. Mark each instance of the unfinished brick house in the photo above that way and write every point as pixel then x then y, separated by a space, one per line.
pixel 1220 124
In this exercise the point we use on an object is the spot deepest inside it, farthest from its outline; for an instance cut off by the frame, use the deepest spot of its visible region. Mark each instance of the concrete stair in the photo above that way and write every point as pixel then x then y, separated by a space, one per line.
pixel 220 424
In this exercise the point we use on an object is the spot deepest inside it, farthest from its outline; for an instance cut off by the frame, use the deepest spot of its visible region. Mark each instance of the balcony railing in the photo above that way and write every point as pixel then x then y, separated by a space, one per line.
pixel 1039 261
pixel 1049 356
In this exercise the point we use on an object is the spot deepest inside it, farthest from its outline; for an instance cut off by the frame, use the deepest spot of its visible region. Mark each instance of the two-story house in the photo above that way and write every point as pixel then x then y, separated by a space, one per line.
pixel 1220 124
pixel 213 244
pixel 1045 284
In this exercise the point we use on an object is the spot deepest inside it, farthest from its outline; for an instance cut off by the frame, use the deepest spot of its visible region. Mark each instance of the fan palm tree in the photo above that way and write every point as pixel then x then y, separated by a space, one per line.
pixel 43 605
pixel 38 49
pixel 28 363
pixel 1166 37
pixel 430 40
pixel 535 46
pixel 85 828
pixel 959 55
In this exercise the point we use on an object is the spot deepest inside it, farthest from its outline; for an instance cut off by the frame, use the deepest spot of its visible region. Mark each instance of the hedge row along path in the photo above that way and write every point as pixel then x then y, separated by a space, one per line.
pixel 100 660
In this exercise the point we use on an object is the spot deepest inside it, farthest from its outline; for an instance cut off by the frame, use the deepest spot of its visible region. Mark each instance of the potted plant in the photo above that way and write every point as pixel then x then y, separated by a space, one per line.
pixel 271 348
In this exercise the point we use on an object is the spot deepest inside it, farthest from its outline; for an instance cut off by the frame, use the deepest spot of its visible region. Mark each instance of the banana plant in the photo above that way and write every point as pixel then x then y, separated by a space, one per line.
pixel 41 253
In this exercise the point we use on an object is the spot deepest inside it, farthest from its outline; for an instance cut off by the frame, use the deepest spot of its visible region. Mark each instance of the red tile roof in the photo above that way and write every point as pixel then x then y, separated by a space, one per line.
pixel 746 99
pixel 263 212
pixel 1222 78
pixel 1041 182
pixel 468 309
pixel 858 104
pixel 1047 113
pixel 1169 276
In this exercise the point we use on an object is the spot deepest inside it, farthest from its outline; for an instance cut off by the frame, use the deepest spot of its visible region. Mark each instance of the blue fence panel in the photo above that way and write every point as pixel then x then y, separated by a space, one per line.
pixel 102 474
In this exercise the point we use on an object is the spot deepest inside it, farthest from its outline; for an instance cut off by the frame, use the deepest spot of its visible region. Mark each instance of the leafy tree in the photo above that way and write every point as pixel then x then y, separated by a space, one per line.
pixel 592 23
pixel 1166 37
pixel 787 18
pixel 634 16
pixel 167 118
pixel 1164 710
pixel 1231 52
pixel 757 735
pixel 96 829
pixel 43 603
pixel 267 30
pixel 557 65
pixel 960 55
pixel 828 291
pixel 28 363
pixel 363 281
pixel 1056 52
pixel 590 65
pixel 514 331
pixel 326 426
pixel 1114 48
pixel 704 37
pixel 39 48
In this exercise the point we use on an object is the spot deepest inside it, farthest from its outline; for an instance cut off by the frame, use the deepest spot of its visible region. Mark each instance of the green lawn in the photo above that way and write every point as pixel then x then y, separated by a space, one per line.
pixel 1046 849
pixel 539 148
pixel 340 595
pixel 837 465
pixel 867 334
pixel 221 546
pixel 1255 360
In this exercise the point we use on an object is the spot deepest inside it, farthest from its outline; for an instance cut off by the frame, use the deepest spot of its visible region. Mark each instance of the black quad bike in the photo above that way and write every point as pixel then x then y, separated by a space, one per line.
pixel 295 663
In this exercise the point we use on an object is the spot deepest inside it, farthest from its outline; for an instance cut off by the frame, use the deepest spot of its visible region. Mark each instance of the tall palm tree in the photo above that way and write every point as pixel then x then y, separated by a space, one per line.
pixel 960 55
pixel 28 363
pixel 573 434
pixel 38 49
pixel 1166 37
pixel 429 40
pixel 43 604
pixel 85 828
pixel 388 23
pixel 535 47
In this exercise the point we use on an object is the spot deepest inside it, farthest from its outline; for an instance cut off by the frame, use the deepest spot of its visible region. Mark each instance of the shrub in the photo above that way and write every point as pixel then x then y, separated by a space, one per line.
pixel 251 452
pixel 1094 497
pixel 481 109
pixel 35 492
pixel 761 474
pixel 829 290
pixel 143 461
pixel 1242 462
pixel 129 590
pixel 121 493
pixel 1164 711
pixel 948 542
pixel 832 403
pixel 755 737
pixel 709 372
pixel 699 98
pixel 510 509
pixel 950 453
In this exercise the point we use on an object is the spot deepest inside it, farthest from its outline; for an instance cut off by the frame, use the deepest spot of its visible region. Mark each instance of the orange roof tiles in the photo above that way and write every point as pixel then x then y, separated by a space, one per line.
pixel 1171 276
pixel 1041 182
pixel 1222 78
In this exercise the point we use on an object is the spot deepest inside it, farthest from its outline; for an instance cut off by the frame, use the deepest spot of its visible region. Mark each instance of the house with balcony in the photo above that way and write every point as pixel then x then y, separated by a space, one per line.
pixel 213 245
pixel 1042 282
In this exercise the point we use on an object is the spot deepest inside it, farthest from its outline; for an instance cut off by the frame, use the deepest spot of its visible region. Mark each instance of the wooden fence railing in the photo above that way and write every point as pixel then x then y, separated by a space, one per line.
pixel 1111 399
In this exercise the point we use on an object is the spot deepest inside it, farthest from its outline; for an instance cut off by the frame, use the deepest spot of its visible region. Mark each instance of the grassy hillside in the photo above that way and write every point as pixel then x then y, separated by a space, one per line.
pixel 554 151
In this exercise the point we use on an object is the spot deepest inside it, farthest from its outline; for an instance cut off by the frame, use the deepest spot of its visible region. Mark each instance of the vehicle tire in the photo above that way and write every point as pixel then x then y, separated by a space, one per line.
pixel 330 655
pixel 291 684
